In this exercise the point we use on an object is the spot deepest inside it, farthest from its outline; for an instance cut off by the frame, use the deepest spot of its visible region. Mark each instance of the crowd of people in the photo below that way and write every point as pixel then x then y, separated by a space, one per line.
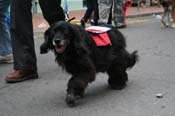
pixel 17 41
pixel 102 11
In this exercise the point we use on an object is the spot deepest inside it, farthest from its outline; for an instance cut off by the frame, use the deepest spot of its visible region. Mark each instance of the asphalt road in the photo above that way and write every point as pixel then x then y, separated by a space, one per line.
pixel 154 74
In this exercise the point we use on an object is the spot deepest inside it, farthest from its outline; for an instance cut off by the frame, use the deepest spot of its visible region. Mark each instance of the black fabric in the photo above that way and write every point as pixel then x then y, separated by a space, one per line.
pixel 92 7
pixel 22 30
pixel 52 11
pixel 22 35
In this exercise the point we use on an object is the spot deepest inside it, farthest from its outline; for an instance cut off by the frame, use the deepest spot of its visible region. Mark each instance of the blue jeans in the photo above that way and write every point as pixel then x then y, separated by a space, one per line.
pixel 5 41
pixel 65 6
pixel 8 17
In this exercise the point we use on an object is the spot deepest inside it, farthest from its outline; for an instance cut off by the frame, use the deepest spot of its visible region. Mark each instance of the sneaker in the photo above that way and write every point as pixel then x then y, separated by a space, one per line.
pixel 120 25
pixel 6 59
pixel 66 16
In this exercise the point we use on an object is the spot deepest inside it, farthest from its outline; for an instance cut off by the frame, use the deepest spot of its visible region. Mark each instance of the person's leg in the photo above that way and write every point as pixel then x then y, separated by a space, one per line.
pixel 118 13
pixel 88 13
pixel 8 17
pixel 110 17
pixel 5 42
pixel 96 15
pixel 125 7
pixel 66 11
pixel 104 9
pixel 173 15
pixel 22 35
pixel 22 42
pixel 52 10
pixel 65 6
pixel 89 10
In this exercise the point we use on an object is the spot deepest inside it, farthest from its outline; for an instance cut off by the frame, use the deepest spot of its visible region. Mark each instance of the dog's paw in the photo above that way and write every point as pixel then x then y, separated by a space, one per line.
pixel 165 24
pixel 173 25
pixel 117 87
pixel 71 100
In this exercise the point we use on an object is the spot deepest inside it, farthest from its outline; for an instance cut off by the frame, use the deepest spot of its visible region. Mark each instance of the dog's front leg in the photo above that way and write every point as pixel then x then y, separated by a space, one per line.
pixel 165 14
pixel 75 90
pixel 173 16
pixel 76 87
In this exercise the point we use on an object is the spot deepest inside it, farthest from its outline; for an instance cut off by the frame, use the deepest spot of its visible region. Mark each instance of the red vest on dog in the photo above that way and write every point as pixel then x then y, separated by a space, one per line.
pixel 100 35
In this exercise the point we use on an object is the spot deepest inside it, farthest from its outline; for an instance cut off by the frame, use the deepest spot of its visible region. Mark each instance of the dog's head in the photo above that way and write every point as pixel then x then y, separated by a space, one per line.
pixel 57 37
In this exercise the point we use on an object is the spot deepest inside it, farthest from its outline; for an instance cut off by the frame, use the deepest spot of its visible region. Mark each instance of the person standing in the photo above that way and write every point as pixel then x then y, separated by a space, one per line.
pixel 105 11
pixel 92 7
pixel 5 41
pixel 119 14
pixel 25 62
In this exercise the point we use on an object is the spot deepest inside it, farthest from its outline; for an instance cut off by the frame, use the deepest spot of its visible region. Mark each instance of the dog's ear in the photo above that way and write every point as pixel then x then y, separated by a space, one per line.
pixel 44 48
pixel 75 34
pixel 70 31
pixel 78 34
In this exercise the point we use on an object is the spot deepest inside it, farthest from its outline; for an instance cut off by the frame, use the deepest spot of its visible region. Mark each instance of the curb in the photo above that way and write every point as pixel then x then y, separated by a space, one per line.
pixel 143 14
pixel 129 16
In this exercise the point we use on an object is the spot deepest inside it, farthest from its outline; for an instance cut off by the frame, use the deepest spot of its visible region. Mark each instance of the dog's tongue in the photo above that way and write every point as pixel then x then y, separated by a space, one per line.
pixel 59 49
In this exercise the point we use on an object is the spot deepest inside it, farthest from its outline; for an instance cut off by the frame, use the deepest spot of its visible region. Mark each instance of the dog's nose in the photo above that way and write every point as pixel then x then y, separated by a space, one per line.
pixel 57 41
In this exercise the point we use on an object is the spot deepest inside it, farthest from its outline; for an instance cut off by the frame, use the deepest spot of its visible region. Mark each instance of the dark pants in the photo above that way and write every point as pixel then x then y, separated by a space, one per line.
pixel 22 30
pixel 118 12
pixel 110 17
pixel 52 10
pixel 92 6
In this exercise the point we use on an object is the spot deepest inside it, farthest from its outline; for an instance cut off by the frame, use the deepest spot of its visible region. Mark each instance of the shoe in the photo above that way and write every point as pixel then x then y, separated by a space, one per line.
pixel 21 75
pixel 120 26
pixel 83 23
pixel 66 16
pixel 6 59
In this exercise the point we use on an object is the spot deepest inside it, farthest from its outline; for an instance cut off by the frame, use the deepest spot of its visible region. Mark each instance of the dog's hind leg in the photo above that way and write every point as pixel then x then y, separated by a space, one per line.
pixel 76 87
pixel 117 76
pixel 117 71
pixel 173 16
pixel 165 14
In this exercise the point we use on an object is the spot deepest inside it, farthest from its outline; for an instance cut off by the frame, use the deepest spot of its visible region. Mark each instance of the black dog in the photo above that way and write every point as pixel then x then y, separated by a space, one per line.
pixel 77 53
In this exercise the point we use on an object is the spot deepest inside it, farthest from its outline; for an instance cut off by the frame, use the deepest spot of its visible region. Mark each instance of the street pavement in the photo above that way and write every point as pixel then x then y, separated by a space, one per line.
pixel 150 90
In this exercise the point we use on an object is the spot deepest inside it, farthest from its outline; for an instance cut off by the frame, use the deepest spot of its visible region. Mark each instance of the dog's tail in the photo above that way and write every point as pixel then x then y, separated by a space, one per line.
pixel 132 59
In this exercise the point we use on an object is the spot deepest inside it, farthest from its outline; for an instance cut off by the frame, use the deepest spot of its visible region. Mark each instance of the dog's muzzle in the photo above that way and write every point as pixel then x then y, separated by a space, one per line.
pixel 60 45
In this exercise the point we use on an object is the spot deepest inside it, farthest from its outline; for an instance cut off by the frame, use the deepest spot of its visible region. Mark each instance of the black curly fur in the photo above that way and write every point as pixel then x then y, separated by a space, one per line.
pixel 83 59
